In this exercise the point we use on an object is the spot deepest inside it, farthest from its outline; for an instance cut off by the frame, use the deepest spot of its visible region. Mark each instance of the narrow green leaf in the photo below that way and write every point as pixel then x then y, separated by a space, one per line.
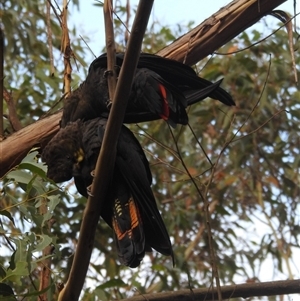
pixel 46 240
pixel 112 283
pixel 20 176
pixel 21 269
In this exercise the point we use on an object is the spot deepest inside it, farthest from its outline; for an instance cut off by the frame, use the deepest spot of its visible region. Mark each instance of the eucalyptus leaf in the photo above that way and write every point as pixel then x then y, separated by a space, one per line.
pixel 45 241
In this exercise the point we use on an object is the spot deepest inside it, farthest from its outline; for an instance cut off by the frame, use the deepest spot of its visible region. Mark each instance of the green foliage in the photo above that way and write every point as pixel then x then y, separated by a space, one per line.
pixel 27 61
pixel 25 192
pixel 251 179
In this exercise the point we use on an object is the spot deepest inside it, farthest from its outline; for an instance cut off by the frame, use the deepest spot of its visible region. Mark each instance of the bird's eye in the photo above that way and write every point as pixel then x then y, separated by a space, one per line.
pixel 68 157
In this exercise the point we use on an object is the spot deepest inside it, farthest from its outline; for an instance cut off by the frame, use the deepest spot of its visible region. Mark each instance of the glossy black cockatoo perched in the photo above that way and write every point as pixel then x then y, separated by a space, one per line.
pixel 130 208
pixel 162 89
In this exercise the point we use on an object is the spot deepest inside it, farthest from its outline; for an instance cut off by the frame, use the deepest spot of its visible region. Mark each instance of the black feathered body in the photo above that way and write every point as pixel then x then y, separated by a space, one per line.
pixel 162 89
pixel 130 208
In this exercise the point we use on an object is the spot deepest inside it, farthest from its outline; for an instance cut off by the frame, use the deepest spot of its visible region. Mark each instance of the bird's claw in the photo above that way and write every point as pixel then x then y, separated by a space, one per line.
pixel 89 190
pixel 108 104
pixel 108 73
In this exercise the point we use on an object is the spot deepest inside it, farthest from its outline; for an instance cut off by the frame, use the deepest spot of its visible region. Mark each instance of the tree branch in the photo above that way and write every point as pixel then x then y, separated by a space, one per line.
pixel 66 49
pixel 272 288
pixel 106 157
pixel 49 37
pixel 217 30
pixel 15 147
pixel 198 43
pixel 110 49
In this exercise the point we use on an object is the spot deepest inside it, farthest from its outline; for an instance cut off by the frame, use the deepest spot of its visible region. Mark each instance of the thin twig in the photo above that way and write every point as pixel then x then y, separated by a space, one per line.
pixel 261 126
pixel 66 50
pixel 49 37
pixel 116 15
pixel 287 21
pixel 199 143
pixel 159 143
pixel 184 165
pixel 252 111
pixel 87 45
pixel 160 161
pixel 55 12
pixel 1 81
pixel 110 49
pixel 127 21
pixel 207 217
pixel 12 112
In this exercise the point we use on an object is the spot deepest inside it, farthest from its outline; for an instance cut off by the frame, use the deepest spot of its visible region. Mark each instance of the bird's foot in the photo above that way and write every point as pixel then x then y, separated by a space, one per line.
pixel 108 104
pixel 89 190
pixel 108 73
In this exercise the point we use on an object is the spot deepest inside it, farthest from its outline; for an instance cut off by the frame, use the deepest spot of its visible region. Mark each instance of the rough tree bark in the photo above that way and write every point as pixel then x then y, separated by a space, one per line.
pixel 218 29
pixel 190 48
pixel 14 148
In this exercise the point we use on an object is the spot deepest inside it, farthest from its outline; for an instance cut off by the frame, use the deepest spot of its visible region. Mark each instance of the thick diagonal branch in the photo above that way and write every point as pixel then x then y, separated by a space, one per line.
pixel 106 157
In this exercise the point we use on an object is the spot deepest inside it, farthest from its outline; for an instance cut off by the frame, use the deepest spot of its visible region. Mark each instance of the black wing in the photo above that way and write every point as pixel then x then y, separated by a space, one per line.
pixel 130 208
pixel 134 167
pixel 162 88
pixel 180 75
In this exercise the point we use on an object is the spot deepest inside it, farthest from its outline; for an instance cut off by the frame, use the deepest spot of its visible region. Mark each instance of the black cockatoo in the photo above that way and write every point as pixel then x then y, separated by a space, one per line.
pixel 162 89
pixel 130 208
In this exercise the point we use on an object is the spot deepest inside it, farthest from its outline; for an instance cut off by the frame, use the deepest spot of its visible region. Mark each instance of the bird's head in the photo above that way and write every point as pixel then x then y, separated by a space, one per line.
pixel 63 154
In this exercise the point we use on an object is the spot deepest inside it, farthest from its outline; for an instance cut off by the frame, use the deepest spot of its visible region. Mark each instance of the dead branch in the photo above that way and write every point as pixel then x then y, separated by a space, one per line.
pixel 66 50
pixel 110 49
pixel 16 147
pixel 200 42
pixel 126 38
pixel 287 21
pixel 218 29
pixel 272 288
